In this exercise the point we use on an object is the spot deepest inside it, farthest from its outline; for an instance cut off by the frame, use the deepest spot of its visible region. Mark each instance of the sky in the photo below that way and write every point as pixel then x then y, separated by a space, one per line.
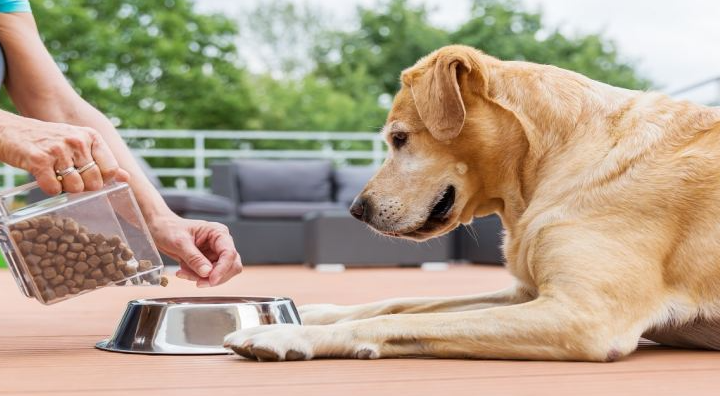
pixel 675 43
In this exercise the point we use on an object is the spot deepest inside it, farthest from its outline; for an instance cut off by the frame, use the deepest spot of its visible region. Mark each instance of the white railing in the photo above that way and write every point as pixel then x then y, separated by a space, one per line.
pixel 149 144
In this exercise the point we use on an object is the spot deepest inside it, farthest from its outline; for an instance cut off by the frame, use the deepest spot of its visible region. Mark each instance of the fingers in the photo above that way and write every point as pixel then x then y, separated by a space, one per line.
pixel 47 180
pixel 104 157
pixel 68 175
pixel 193 259
pixel 187 274
pixel 227 267
pixel 73 147
pixel 228 263
pixel 82 157
pixel 205 251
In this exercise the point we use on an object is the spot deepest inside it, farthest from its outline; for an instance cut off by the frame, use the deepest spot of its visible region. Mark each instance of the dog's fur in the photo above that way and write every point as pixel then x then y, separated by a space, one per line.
pixel 609 198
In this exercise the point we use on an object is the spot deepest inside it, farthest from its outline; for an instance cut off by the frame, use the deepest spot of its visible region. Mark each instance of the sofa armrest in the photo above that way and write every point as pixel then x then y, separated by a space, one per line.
pixel 184 203
pixel 223 181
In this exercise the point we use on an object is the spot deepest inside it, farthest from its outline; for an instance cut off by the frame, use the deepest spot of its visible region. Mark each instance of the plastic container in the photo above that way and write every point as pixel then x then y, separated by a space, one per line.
pixel 72 244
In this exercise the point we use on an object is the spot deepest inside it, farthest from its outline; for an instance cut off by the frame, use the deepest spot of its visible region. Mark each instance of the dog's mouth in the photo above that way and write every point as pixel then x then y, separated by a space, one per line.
pixel 437 217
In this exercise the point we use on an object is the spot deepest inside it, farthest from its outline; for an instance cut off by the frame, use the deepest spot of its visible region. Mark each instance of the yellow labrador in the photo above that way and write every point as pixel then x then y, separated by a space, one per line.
pixel 610 199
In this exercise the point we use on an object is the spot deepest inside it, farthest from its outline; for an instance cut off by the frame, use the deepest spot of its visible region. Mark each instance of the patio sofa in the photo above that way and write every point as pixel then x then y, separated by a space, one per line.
pixel 295 211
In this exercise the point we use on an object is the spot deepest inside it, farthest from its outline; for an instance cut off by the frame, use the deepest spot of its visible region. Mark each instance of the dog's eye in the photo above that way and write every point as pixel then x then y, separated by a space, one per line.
pixel 399 139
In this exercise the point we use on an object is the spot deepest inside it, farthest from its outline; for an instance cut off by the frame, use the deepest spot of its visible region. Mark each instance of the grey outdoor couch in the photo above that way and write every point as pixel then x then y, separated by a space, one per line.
pixel 285 209
pixel 295 211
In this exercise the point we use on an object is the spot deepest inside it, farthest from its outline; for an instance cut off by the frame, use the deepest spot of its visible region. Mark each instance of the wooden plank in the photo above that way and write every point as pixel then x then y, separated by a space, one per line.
pixel 49 350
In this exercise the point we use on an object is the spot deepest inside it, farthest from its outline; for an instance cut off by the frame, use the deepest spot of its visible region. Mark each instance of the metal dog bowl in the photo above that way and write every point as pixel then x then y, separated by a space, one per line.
pixel 193 325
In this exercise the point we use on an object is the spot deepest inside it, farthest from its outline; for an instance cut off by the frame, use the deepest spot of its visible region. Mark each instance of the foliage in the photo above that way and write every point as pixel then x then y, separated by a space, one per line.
pixel 393 37
pixel 163 65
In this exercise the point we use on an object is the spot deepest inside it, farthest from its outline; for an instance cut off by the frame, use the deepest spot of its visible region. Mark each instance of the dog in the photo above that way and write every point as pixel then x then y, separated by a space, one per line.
pixel 609 201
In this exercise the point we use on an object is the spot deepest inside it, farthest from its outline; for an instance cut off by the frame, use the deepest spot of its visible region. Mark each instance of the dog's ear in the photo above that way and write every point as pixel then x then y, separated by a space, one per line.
pixel 437 95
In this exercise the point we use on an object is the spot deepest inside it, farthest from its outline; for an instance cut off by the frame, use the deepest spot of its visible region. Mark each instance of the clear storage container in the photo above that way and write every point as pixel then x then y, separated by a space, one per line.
pixel 72 244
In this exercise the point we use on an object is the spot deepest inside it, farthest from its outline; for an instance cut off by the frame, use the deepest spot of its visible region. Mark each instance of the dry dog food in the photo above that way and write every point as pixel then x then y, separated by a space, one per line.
pixel 64 258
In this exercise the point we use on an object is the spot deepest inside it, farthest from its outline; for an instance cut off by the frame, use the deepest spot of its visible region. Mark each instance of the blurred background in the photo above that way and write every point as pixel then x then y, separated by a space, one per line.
pixel 294 65
pixel 207 91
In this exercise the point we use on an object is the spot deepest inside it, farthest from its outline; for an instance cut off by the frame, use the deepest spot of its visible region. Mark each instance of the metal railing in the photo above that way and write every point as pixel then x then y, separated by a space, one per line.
pixel 714 81
pixel 199 149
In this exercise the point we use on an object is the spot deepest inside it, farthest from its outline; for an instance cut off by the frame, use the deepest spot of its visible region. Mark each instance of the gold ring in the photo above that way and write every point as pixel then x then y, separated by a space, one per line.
pixel 86 166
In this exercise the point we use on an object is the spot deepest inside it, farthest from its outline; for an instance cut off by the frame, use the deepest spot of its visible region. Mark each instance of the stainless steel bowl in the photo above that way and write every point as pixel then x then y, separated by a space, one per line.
pixel 193 325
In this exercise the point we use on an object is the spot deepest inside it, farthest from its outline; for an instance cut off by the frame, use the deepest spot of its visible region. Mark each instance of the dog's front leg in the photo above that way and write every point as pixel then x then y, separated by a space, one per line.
pixel 543 329
pixel 330 313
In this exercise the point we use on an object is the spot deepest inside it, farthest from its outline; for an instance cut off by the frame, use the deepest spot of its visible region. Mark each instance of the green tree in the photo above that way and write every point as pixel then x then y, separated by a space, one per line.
pixel 148 64
pixel 503 29
pixel 368 61
pixel 387 41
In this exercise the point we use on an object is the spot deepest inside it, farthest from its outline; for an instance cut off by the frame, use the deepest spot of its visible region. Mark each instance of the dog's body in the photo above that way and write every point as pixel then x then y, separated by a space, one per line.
pixel 609 198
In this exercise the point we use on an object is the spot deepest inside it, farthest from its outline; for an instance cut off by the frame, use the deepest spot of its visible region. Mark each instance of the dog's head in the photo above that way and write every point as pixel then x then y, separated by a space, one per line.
pixel 432 179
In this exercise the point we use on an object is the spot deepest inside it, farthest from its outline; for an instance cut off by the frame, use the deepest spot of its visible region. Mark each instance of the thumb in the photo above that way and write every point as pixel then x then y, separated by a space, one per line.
pixel 191 256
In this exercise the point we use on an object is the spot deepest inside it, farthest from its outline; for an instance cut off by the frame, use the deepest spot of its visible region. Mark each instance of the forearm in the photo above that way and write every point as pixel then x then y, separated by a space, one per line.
pixel 40 91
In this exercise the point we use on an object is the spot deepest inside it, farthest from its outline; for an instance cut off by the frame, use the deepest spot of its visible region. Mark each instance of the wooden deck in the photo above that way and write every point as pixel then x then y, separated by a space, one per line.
pixel 49 350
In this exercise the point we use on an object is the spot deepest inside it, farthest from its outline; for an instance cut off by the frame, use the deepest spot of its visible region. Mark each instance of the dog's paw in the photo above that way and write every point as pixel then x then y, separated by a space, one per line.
pixel 281 342
pixel 272 343
pixel 323 314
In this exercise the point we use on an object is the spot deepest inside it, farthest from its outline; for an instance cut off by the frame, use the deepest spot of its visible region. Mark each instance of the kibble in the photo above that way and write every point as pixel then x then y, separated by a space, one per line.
pixel 89 284
pixel 29 234
pixel 45 222
pixel 164 281
pixel 71 226
pixel 64 258
pixel 81 267
pixel 55 232
pixel 83 238
pixel 39 249
pixel 96 274
pixel 17 235
pixel 126 254
pixel 114 241
pixel 109 269
pixel 62 291
pixel 93 261
pixel 107 258
pixel 49 273
pixel 33 259
pixel 25 247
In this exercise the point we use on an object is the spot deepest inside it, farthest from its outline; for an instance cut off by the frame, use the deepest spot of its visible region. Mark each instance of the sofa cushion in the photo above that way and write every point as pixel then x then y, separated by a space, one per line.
pixel 350 180
pixel 284 210
pixel 284 180
pixel 182 202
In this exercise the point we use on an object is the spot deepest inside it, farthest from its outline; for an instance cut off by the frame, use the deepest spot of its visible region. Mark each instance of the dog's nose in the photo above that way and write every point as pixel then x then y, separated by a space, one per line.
pixel 359 208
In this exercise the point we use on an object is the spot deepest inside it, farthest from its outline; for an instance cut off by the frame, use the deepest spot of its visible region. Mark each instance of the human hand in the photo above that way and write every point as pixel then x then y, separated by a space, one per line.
pixel 205 250
pixel 42 148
